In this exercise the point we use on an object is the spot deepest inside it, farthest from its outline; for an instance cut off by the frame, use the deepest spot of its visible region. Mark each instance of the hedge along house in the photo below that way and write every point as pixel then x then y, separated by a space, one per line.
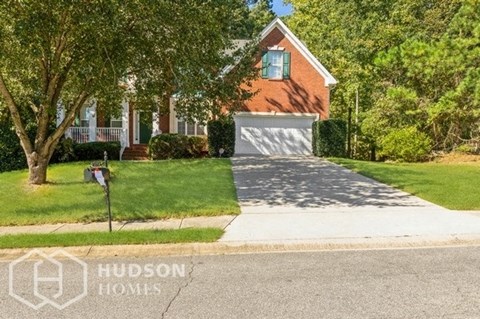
pixel 293 91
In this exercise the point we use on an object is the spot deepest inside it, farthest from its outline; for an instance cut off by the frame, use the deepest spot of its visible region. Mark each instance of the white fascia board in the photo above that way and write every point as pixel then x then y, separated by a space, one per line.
pixel 278 23
pixel 278 114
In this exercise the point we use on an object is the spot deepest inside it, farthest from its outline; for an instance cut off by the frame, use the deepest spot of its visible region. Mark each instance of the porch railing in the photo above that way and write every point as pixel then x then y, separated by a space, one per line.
pixel 99 134
pixel 108 134
pixel 79 134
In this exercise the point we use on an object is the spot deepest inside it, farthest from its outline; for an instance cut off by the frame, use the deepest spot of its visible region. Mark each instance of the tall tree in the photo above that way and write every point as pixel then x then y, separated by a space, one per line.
pixel 438 82
pixel 68 52
pixel 348 35
pixel 261 14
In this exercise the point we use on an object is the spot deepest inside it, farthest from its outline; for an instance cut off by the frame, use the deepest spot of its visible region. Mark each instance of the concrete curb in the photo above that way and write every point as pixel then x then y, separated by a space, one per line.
pixel 198 249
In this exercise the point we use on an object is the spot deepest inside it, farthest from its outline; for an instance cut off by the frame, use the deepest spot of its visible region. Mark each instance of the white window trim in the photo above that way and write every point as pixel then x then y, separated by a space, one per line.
pixel 279 65
pixel 276 48
pixel 84 119
pixel 136 127
pixel 195 128
pixel 174 121
pixel 118 120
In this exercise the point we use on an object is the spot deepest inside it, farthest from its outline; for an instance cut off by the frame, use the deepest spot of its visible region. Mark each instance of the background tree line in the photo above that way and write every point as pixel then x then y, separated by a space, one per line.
pixel 415 64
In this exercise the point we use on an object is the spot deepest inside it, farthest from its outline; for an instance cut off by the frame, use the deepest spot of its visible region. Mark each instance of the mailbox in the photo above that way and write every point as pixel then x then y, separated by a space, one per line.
pixel 96 174
pixel 100 174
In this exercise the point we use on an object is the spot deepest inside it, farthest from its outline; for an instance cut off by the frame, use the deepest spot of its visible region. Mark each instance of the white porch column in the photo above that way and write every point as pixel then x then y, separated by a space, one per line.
pixel 125 123
pixel 173 116
pixel 155 124
pixel 61 117
pixel 92 121
pixel 60 114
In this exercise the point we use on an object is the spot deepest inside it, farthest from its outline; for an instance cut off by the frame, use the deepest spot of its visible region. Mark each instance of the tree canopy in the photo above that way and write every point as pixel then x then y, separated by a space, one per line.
pixel 414 63
pixel 436 82
pixel 68 52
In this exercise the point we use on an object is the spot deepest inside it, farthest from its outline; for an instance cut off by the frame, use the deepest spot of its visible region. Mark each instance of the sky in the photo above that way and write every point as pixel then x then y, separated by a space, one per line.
pixel 280 9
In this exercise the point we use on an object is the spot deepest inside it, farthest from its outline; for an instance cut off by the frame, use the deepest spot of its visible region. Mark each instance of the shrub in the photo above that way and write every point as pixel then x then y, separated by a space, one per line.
pixel 12 156
pixel 64 152
pixel 221 134
pixel 169 146
pixel 197 146
pixel 466 149
pixel 365 150
pixel 329 138
pixel 93 151
pixel 406 144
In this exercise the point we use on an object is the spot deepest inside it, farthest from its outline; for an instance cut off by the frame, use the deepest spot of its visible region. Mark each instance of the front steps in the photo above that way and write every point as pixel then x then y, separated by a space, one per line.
pixel 135 153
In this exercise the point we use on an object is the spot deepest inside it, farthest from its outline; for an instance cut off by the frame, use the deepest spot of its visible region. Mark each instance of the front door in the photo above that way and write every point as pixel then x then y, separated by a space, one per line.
pixel 145 127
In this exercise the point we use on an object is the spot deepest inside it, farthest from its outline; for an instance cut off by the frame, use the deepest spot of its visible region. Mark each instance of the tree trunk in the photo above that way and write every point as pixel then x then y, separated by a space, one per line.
pixel 37 168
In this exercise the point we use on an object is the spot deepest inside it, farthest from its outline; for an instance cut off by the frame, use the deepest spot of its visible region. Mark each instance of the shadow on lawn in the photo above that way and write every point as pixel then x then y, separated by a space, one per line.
pixel 63 183
pixel 394 175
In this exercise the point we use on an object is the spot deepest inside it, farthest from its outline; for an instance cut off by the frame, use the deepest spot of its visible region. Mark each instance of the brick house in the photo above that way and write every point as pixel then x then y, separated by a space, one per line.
pixel 293 91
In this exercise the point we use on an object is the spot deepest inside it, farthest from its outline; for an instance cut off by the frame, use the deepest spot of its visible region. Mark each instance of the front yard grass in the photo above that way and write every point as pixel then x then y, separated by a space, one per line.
pixel 139 191
pixel 451 185
pixel 133 237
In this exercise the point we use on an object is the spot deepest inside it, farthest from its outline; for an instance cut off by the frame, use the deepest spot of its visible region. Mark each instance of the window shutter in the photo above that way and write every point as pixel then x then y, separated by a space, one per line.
pixel 265 64
pixel 286 65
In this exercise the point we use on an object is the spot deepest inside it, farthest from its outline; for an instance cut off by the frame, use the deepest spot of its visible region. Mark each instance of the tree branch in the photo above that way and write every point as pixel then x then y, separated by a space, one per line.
pixel 33 107
pixel 17 120
pixel 60 48
pixel 61 82
pixel 44 71
pixel 70 116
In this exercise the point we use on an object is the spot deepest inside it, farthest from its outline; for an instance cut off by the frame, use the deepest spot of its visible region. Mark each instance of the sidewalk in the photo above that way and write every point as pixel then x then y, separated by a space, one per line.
pixel 198 222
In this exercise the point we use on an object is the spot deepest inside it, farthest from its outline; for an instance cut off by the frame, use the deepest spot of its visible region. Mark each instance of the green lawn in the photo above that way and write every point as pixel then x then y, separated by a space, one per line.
pixel 139 191
pixel 144 237
pixel 454 186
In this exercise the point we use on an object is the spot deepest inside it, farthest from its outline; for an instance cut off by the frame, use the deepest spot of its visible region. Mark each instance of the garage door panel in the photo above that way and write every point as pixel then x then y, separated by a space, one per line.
pixel 278 123
pixel 273 135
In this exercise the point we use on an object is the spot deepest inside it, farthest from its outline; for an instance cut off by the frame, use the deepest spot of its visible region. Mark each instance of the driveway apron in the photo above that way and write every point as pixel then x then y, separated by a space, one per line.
pixel 307 199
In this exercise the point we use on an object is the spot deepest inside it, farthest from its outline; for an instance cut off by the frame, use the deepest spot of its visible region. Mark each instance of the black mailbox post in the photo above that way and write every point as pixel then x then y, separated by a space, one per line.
pixel 101 175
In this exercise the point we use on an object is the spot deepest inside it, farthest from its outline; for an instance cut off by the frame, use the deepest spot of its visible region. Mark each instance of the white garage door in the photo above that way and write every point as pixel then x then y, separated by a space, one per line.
pixel 274 135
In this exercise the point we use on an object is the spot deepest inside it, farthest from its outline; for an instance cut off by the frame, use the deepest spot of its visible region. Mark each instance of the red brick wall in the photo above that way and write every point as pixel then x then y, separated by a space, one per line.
pixel 304 92
pixel 164 123
pixel 101 118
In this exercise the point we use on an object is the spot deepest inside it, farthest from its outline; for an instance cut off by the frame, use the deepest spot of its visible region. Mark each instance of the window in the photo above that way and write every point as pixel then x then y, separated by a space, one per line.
pixel 189 128
pixel 276 64
pixel 116 122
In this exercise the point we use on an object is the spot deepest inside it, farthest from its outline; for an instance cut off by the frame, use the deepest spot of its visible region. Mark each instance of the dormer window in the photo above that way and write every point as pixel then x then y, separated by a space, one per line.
pixel 275 64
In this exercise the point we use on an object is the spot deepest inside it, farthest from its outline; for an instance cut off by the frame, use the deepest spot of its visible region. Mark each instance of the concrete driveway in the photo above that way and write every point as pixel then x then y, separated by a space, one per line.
pixel 307 199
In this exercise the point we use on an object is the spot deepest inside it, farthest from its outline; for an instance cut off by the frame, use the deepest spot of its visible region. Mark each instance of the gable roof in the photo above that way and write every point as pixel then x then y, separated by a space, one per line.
pixel 277 23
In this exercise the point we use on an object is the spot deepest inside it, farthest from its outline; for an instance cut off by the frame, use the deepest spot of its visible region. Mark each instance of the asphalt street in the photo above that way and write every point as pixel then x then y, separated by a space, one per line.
pixel 409 283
